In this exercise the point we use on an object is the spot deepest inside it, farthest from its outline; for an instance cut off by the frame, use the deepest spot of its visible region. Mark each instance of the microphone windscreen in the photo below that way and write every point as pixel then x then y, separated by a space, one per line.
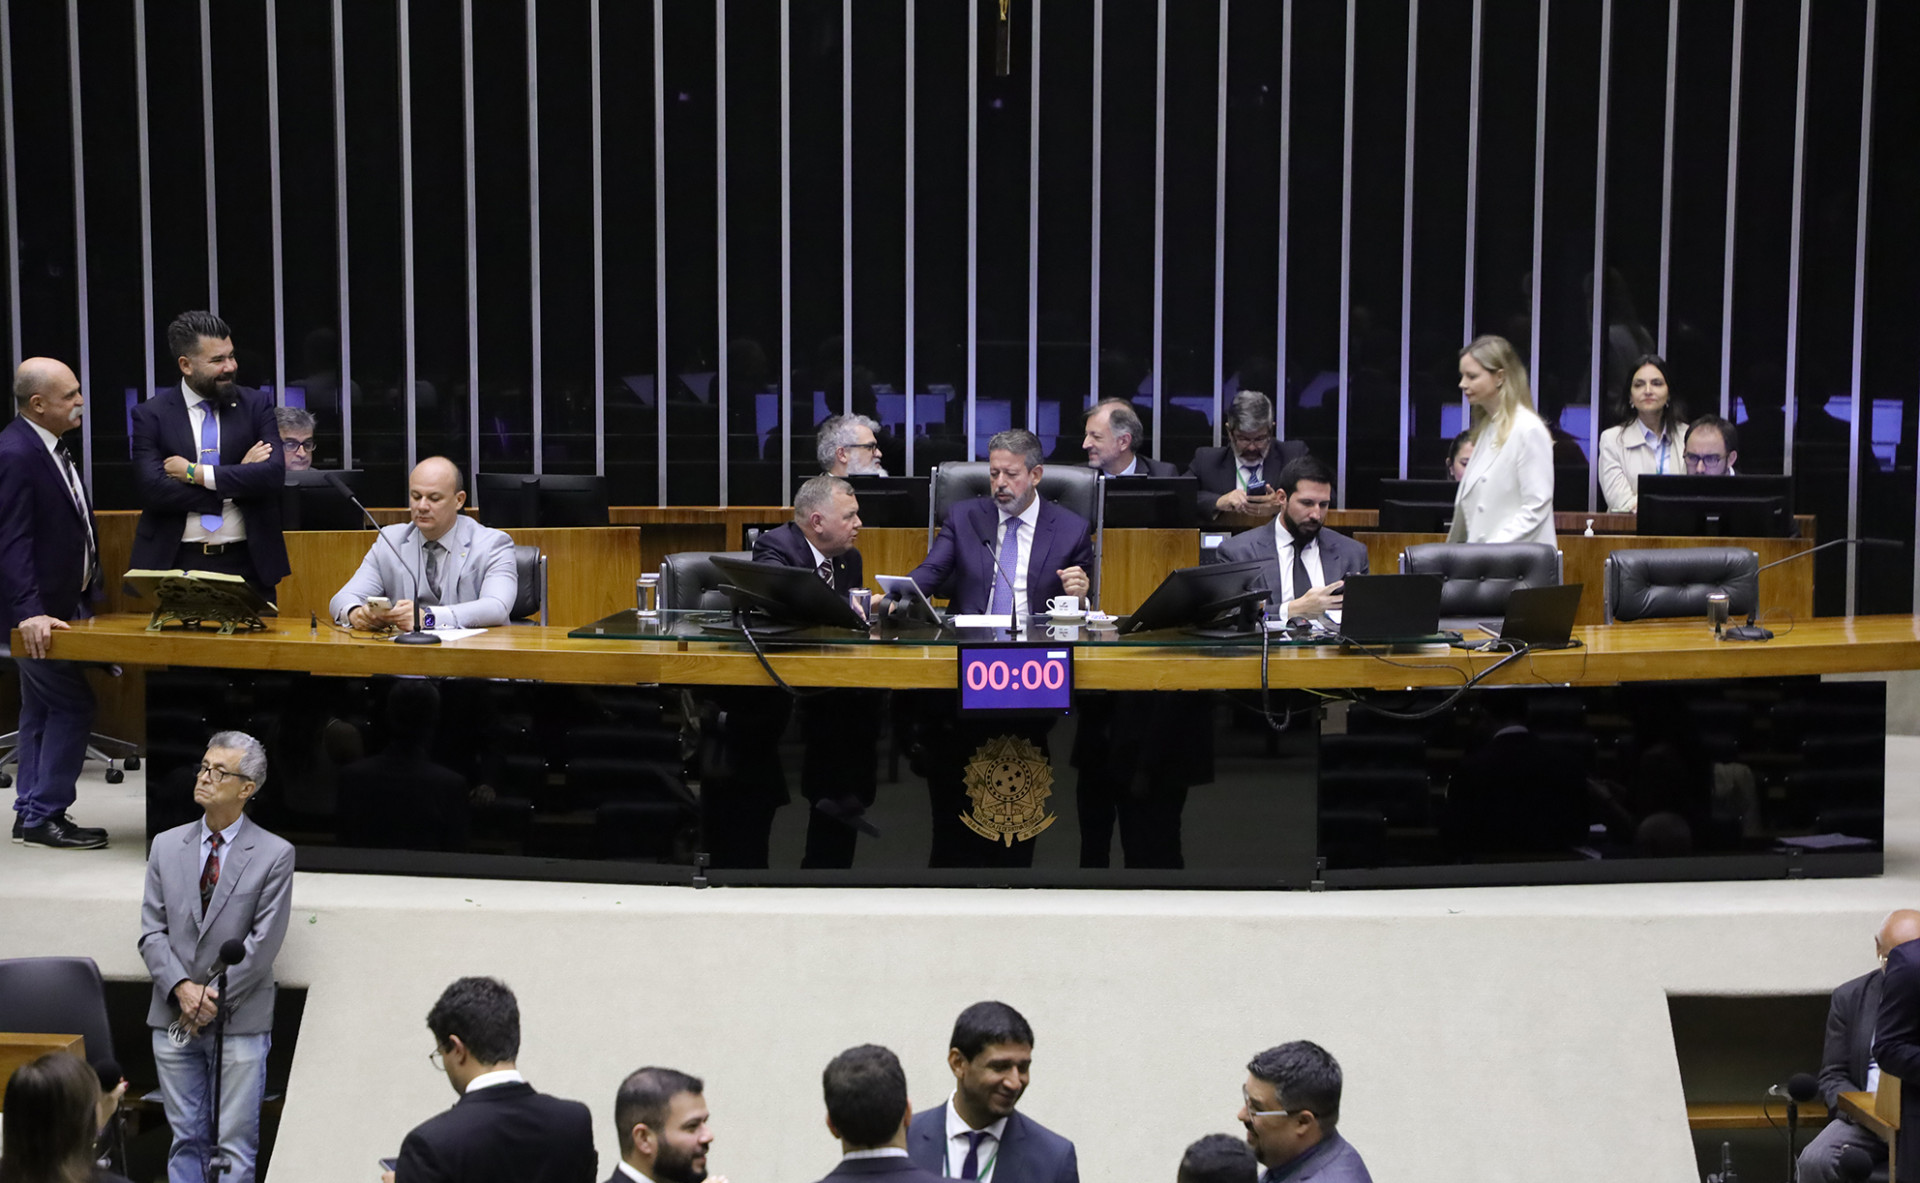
pixel 234 951
pixel 111 1074
pixel 1802 1087
pixel 1855 1164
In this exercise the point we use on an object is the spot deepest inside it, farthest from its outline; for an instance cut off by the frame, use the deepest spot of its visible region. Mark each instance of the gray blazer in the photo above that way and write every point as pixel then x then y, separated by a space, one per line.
pixel 250 904
pixel 477 579
pixel 1332 1161
pixel 1340 556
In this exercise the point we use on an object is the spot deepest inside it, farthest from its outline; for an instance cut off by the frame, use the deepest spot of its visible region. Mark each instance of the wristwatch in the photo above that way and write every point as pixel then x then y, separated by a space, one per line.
pixel 426 619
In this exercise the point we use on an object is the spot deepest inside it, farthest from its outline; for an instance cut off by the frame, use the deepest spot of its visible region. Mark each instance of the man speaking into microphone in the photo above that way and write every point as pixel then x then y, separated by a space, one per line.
pixel 461 571
pixel 216 880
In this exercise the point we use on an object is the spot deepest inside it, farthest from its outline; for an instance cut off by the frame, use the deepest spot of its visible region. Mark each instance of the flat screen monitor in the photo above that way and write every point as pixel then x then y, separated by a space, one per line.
pixel 792 595
pixel 1143 502
pixel 1716 506
pixel 310 503
pixel 513 500
pixel 1416 507
pixel 890 501
pixel 1195 596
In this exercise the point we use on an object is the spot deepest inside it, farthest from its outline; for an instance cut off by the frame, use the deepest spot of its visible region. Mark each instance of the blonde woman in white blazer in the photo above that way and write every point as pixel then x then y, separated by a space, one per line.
pixel 1506 494
pixel 1651 438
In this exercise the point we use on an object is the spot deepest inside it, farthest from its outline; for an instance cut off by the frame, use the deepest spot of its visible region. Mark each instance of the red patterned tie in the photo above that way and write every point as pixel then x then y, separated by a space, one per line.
pixel 210 878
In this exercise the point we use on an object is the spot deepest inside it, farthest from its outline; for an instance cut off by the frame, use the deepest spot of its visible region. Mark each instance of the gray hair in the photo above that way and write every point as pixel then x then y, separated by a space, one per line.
pixel 1020 442
pixel 298 418
pixel 839 432
pixel 1251 411
pixel 1122 418
pixel 816 496
pixel 253 755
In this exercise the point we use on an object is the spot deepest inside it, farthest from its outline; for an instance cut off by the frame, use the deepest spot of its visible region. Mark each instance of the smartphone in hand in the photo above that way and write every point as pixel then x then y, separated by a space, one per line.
pixel 1259 490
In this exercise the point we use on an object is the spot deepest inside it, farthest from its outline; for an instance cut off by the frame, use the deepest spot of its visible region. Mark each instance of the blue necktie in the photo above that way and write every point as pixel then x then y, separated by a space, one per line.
pixel 210 454
pixel 970 1166
pixel 1002 601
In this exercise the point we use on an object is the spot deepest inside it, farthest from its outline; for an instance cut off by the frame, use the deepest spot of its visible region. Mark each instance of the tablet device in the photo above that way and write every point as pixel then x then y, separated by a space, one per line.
pixel 902 587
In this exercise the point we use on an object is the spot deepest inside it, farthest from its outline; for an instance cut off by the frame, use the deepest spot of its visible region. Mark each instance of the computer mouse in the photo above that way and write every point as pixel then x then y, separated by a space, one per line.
pixel 1299 624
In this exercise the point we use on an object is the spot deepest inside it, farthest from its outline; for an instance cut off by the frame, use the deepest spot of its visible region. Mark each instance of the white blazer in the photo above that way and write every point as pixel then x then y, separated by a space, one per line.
pixel 1626 455
pixel 1507 492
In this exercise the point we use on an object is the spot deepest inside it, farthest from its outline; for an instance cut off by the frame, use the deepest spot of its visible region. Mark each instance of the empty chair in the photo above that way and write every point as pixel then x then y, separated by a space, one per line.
pixel 57 996
pixel 530 600
pixel 1660 583
pixel 690 580
pixel 1480 576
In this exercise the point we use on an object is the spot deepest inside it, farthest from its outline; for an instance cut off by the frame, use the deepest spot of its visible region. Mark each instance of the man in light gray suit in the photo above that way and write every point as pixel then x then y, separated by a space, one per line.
pixel 461 570
pixel 1306 563
pixel 218 879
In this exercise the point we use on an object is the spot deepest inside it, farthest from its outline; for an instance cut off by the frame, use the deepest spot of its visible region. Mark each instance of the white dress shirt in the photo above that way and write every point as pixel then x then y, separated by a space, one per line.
pixel 73 490
pixel 1029 520
pixel 988 1156
pixel 818 557
pixel 1132 468
pixel 1310 555
pixel 226 840
pixel 632 1172
pixel 233 527
pixel 487 1080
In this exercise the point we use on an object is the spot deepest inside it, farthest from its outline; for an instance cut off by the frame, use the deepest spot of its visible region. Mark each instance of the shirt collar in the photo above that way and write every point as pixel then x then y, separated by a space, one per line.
pixel 632 1172
pixel 227 835
pixel 1283 537
pixel 1132 467
pixel 957 1125
pixel 883 1152
pixel 46 437
pixel 1030 515
pixel 819 557
pixel 487 1080
pixel 190 394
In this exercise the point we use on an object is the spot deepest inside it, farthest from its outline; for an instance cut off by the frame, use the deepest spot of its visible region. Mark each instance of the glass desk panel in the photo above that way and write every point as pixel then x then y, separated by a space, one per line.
pixel 717 626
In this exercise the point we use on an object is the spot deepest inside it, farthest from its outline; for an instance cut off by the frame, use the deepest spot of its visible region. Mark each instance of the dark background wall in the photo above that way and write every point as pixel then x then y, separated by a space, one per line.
pixel 1052 298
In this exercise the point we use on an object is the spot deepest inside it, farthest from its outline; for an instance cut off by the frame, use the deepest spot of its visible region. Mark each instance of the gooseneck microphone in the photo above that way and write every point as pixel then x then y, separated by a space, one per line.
pixel 417 636
pixel 1753 632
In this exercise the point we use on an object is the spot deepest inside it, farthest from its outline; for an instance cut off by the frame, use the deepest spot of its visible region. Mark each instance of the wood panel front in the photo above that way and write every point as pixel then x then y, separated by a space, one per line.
pixel 20 1048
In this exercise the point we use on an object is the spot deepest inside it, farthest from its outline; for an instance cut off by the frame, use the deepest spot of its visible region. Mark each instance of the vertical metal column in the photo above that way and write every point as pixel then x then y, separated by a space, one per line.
pixel 535 386
pixel 340 232
pixel 1793 235
pixel 146 187
pixel 1159 219
pixel 1033 231
pixel 846 207
pixel 1093 211
pixel 911 277
pixel 1406 243
pixel 1861 406
pixel 599 262
pixel 273 204
pixel 1539 199
pixel 473 243
pixel 973 213
pixel 1473 178
pixel 80 235
pixel 409 367
pixel 1666 168
pixel 1220 231
pixel 721 375
pixel 1599 326
pixel 13 203
pixel 660 231
pixel 1733 184
pixel 206 131
pixel 1279 391
pixel 1346 260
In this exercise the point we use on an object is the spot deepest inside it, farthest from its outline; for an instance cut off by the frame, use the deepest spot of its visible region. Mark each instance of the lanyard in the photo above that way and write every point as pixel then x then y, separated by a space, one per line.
pixel 984 1171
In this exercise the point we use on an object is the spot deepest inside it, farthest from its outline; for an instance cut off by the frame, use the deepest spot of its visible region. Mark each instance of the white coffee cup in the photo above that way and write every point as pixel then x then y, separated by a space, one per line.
pixel 1064 606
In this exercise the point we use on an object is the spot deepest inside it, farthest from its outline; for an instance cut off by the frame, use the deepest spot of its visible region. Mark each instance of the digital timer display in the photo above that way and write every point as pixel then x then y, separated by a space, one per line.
pixel 1030 679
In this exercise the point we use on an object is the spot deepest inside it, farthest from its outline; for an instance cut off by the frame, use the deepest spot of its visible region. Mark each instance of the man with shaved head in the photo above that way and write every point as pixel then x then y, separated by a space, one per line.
pixel 1847 1064
pixel 49 570
pixel 1896 1032
pixel 460 571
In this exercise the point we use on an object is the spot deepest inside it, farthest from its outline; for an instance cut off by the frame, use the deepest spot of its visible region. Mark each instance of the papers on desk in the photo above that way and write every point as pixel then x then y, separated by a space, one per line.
pixel 456 634
pixel 979 620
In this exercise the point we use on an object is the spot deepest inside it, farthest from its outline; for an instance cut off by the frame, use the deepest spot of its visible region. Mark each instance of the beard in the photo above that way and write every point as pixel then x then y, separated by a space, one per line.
pixel 675 1166
pixel 212 387
pixel 866 468
pixel 1303 532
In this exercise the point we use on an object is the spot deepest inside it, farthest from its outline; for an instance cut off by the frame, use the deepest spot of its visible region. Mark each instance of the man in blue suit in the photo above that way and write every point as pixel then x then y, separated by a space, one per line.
pixel 208 466
pixel 978 1133
pixel 49 569
pixel 1291 1108
pixel 867 1109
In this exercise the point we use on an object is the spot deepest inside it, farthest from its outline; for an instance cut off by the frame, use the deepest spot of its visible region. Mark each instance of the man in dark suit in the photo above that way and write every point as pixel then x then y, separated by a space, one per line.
pixel 1896 1034
pixel 840 728
pixel 661 1116
pixel 1113 434
pixel 501 1130
pixel 1306 563
pixel 49 569
pixel 1846 1061
pixel 1252 457
pixel 208 466
pixel 866 1091
pixel 1291 1108
pixel 991 1056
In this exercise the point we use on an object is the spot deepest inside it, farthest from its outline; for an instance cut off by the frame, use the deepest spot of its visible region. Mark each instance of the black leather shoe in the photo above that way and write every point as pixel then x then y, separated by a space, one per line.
pixel 57 833
pixel 16 827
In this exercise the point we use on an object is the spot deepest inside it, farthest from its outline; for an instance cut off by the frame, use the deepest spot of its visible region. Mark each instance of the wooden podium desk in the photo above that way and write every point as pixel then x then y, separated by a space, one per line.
pixel 1619 653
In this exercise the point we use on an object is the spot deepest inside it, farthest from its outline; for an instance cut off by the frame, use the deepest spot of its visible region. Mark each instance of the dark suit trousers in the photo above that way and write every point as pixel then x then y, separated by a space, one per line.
pixel 1133 770
pixel 56 715
pixel 840 731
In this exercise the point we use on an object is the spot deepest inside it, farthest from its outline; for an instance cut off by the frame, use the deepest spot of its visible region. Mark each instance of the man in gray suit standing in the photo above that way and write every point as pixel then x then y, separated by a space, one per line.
pixel 1306 563
pixel 218 879
pixel 461 570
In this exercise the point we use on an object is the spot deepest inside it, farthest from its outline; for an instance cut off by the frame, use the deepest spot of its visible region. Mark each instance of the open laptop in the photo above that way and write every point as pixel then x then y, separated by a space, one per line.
pixel 1391 609
pixel 1539 617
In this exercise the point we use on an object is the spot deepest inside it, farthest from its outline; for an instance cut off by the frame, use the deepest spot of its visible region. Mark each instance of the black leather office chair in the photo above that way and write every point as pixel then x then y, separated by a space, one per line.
pixel 1070 486
pixel 530 568
pixel 1656 583
pixel 690 580
pixel 1481 575
pixel 57 996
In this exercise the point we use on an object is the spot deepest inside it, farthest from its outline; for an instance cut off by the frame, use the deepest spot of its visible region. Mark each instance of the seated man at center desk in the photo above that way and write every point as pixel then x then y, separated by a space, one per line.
pixel 1010 547
pixel 462 571
pixel 1306 563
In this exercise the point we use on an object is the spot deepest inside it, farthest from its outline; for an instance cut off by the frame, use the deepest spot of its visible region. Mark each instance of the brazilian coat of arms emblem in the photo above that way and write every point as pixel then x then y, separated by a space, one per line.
pixel 1009 781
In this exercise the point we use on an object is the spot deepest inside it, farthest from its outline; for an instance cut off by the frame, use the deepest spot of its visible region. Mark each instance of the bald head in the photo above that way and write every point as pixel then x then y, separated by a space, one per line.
pixel 434 495
pixel 1900 926
pixel 45 391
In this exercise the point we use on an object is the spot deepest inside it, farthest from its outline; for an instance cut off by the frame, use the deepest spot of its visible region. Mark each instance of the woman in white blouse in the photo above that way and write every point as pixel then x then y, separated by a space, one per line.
pixel 1506 494
pixel 1651 438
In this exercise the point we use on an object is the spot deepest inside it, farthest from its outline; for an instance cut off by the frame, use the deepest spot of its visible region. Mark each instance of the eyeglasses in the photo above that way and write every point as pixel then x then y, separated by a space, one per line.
pixel 215 771
pixel 438 1059
pixel 875 446
pixel 298 445
pixel 1247 1100
pixel 1713 460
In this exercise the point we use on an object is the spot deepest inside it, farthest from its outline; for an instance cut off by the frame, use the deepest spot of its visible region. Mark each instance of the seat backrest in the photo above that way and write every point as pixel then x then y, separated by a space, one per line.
pixel 1481 575
pixel 1070 486
pixel 530 568
pixel 57 995
pixel 1655 583
pixel 689 579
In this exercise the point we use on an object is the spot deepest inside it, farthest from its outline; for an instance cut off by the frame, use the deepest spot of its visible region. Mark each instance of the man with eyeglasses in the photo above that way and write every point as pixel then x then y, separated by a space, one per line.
pixel 1230 477
pixel 500 1130
pixel 1712 447
pixel 847 445
pixel 296 436
pixel 211 881
pixel 1291 1108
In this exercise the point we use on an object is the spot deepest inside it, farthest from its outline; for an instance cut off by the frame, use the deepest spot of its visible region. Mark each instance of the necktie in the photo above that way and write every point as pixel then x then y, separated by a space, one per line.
pixel 1302 582
pixel 1002 601
pixel 210 454
pixel 1249 475
pixel 826 572
pixel 970 1167
pixel 80 506
pixel 434 551
pixel 210 877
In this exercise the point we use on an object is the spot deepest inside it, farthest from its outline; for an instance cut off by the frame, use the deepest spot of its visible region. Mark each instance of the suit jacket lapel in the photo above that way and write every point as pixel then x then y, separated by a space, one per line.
pixel 1037 560
pixel 175 420
pixel 455 540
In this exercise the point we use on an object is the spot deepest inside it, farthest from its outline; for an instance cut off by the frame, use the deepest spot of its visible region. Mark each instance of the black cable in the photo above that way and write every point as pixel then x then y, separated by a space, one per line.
pixel 1467 683
pixel 766 665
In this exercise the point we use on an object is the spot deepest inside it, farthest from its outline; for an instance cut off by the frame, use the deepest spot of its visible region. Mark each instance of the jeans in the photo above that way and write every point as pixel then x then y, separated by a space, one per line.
pixel 56 714
pixel 186 1086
